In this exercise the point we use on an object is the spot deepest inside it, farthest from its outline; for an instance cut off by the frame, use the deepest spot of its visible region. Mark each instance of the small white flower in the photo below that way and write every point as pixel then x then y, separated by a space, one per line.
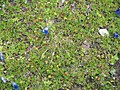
pixel 3 5
pixel 3 79
pixel 26 1
pixel 103 32
pixel 63 1
pixel 46 28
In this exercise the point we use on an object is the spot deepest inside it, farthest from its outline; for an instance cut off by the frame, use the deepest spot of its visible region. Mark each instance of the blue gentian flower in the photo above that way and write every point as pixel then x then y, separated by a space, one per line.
pixel 117 12
pixel 115 35
pixel 1 57
pixel 45 30
pixel 15 86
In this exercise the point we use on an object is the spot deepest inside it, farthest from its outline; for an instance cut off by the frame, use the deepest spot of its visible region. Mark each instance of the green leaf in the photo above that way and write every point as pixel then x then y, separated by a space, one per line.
pixel 114 58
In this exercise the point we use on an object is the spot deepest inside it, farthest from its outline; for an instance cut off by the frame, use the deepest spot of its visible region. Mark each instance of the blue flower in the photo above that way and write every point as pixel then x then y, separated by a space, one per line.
pixel 15 86
pixel 117 12
pixel 115 35
pixel 1 57
pixel 45 30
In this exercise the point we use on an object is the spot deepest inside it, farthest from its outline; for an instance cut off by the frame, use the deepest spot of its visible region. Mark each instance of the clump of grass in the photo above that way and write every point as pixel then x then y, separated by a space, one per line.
pixel 73 54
